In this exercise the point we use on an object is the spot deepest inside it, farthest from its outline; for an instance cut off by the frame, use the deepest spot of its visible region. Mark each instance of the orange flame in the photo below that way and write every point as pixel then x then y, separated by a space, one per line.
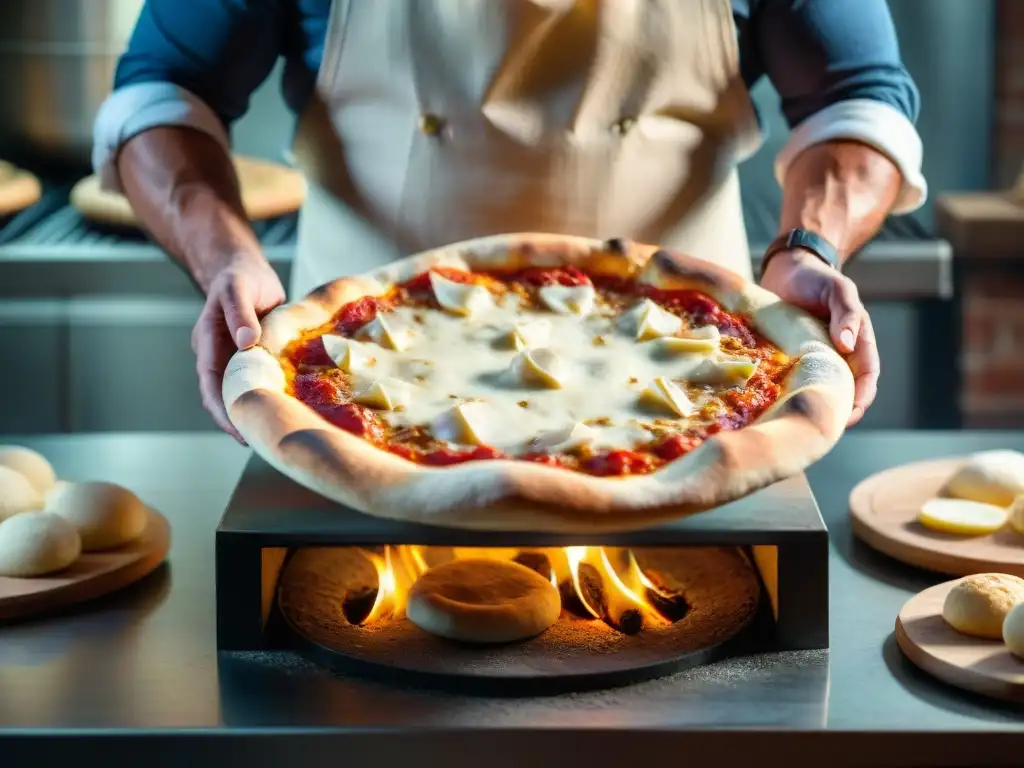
pixel 620 582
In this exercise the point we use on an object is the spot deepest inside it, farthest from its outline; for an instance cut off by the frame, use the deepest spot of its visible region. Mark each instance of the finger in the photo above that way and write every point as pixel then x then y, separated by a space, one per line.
pixel 211 359
pixel 866 366
pixel 845 313
pixel 236 301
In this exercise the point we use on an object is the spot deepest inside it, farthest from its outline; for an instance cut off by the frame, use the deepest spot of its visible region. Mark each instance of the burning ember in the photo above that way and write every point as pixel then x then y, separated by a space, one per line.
pixel 602 583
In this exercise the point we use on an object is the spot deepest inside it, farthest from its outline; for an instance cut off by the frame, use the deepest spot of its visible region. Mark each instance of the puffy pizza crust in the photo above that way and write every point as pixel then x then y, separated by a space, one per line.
pixel 801 426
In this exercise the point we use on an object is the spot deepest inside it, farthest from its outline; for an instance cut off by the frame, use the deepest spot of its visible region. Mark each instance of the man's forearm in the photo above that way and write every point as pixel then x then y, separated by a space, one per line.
pixel 184 190
pixel 842 190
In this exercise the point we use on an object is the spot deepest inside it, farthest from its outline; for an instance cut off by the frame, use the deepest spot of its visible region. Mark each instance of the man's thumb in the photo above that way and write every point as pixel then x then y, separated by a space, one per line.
pixel 240 313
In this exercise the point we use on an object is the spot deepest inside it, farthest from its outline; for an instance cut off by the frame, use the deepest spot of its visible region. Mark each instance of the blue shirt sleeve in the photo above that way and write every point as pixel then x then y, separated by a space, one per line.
pixel 820 52
pixel 219 50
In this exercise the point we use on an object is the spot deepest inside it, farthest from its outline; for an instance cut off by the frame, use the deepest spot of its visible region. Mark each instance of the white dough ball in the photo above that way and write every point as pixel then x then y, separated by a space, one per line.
pixel 978 604
pixel 58 487
pixel 1013 630
pixel 991 477
pixel 31 464
pixel 37 543
pixel 106 515
pixel 17 494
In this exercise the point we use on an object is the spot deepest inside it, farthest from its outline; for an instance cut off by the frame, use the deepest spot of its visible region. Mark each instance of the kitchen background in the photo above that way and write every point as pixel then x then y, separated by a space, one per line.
pixel 94 326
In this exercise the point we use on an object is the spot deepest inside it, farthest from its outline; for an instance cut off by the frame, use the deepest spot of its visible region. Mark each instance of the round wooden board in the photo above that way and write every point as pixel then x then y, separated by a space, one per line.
pixel 884 508
pixel 92 575
pixel 972 663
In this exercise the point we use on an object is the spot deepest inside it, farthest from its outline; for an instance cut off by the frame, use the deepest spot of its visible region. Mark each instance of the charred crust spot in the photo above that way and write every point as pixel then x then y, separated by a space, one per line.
pixel 800 404
pixel 616 245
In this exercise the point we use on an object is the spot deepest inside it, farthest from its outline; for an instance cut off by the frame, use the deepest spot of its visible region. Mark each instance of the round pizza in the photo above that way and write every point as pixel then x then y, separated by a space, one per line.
pixel 539 382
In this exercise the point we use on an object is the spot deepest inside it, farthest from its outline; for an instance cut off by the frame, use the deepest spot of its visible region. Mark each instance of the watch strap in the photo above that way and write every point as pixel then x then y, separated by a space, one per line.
pixel 804 240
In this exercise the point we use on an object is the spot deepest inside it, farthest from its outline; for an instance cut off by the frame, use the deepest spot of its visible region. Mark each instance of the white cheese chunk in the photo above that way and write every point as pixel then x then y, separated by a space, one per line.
pixel 663 393
pixel 543 367
pixel 565 439
pixel 460 298
pixel 647 321
pixel 704 339
pixel 349 355
pixel 724 372
pixel 388 333
pixel 531 334
pixel 568 299
pixel 386 394
pixel 471 423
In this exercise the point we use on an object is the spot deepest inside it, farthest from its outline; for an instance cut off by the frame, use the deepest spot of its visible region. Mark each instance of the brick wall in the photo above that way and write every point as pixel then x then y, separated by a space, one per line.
pixel 992 361
pixel 1008 124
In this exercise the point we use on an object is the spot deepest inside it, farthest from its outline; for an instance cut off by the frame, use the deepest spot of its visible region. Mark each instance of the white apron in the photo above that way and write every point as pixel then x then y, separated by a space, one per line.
pixel 436 121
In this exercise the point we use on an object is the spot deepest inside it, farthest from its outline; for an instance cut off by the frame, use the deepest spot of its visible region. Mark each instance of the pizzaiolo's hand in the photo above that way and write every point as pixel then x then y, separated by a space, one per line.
pixel 242 292
pixel 802 279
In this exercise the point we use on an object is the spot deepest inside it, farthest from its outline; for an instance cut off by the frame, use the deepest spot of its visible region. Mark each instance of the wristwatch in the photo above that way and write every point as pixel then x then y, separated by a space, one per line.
pixel 805 240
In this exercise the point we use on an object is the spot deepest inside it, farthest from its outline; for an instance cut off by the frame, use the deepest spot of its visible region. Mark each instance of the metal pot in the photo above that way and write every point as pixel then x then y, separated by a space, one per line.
pixel 57 60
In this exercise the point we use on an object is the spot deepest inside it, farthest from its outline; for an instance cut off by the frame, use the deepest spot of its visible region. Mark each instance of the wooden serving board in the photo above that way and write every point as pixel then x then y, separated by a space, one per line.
pixel 883 511
pixel 92 575
pixel 971 663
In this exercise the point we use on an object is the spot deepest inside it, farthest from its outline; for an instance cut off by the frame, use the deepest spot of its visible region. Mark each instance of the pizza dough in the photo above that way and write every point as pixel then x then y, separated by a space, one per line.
pixel 808 413
pixel 978 604
pixel 1013 630
pixel 31 464
pixel 36 544
pixel 106 515
pixel 18 189
pixel 991 477
pixel 268 190
pixel 483 601
pixel 17 494
pixel 1016 514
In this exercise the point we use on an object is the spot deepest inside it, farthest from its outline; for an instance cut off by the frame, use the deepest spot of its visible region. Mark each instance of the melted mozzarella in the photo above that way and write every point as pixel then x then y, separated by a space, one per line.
pixel 565 439
pixel 704 339
pixel 531 334
pixel 461 366
pixel 460 298
pixel 724 372
pixel 662 393
pixel 385 331
pixel 539 367
pixel 568 299
pixel 388 394
pixel 349 355
pixel 647 321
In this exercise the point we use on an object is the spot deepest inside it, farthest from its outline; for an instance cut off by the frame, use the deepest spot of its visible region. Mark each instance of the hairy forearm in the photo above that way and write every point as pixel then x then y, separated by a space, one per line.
pixel 184 190
pixel 842 190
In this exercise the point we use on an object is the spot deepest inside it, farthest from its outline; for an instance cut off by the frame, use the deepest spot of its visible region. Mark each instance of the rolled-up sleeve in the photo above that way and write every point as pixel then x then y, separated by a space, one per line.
pixel 837 68
pixel 192 64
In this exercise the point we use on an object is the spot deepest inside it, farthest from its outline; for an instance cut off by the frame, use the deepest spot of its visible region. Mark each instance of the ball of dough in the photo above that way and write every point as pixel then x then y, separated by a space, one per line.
pixel 31 464
pixel 1016 516
pixel 37 543
pixel 978 604
pixel 991 477
pixel 17 494
pixel 483 601
pixel 106 515
pixel 1013 630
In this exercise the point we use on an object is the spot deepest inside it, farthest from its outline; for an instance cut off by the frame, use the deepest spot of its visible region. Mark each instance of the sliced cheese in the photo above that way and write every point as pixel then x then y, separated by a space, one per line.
pixel 531 333
pixel 348 354
pixel 647 321
pixel 543 367
pixel 460 298
pixel 388 333
pixel 568 299
pixel 724 372
pixel 472 423
pixel 664 394
pixel 564 440
pixel 707 338
pixel 960 516
pixel 387 394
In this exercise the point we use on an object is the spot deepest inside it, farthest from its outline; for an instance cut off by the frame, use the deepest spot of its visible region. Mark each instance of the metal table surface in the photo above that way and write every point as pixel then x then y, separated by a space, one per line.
pixel 136 675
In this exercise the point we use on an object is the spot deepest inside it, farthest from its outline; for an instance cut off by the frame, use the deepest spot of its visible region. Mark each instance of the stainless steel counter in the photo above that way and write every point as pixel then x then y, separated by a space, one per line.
pixel 136 676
